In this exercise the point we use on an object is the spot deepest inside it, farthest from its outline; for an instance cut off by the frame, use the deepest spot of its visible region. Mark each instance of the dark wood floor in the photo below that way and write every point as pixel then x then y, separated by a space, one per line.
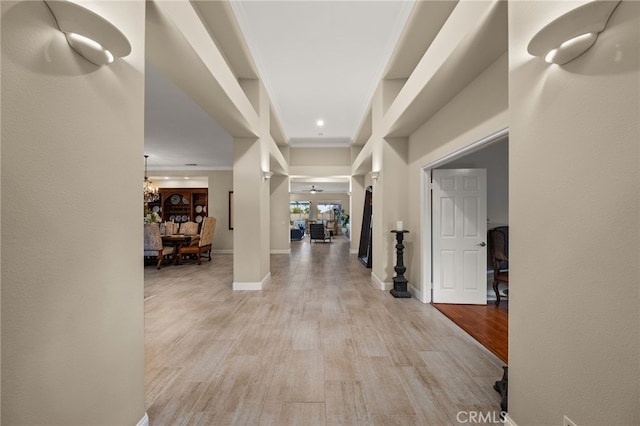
pixel 488 324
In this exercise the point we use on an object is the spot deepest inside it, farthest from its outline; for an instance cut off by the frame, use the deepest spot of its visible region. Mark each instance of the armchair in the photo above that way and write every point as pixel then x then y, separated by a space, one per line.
pixel 203 244
pixel 499 250
pixel 153 246
pixel 168 228
pixel 297 234
pixel 332 226
pixel 318 232
pixel 188 228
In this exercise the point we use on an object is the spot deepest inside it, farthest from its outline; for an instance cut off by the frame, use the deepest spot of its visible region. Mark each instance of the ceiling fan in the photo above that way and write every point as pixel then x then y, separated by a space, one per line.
pixel 314 190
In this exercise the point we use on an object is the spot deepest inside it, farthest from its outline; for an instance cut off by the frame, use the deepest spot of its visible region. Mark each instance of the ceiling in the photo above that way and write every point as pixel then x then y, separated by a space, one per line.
pixel 178 132
pixel 319 60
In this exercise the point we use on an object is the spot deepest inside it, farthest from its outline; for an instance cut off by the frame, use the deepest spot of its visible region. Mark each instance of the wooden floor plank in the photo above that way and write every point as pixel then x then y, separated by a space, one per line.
pixel 319 345
pixel 488 324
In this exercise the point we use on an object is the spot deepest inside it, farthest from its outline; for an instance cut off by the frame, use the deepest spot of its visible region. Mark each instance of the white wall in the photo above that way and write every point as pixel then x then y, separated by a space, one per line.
pixel 320 157
pixel 280 233
pixel 574 225
pixel 0 244
pixel 72 272
pixel 220 183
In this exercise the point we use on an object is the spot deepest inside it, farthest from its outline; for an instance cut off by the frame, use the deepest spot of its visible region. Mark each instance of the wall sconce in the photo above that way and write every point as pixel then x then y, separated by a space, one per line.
pixel 90 35
pixel 573 33
pixel 375 175
pixel 267 175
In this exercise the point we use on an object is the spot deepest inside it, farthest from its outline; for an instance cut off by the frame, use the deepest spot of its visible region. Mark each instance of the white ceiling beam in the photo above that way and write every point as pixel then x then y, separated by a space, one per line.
pixel 223 27
pixel 452 61
pixel 179 44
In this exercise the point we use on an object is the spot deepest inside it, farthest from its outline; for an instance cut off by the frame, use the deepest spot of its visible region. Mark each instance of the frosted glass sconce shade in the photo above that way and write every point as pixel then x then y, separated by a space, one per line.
pixel 573 33
pixel 90 35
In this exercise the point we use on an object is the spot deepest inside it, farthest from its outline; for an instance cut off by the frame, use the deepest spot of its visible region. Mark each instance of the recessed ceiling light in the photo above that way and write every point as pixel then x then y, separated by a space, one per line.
pixel 320 123
pixel 186 177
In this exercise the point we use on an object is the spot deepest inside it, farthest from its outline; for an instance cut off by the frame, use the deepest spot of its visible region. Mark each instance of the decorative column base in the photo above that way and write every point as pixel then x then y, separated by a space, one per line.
pixel 399 293
pixel 399 289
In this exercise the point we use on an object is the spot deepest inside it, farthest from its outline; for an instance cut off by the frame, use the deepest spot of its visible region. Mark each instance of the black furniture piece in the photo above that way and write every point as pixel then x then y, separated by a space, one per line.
pixel 502 387
pixel 364 250
pixel 499 251
pixel 318 232
pixel 297 234
pixel 399 281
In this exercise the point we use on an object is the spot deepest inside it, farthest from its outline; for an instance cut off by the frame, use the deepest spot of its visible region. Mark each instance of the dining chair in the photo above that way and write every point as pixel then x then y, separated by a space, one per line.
pixel 153 246
pixel 203 244
pixel 188 228
pixel 168 228
pixel 499 250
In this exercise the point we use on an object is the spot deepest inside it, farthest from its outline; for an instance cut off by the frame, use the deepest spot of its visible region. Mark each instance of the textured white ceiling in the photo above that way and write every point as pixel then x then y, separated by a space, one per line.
pixel 178 132
pixel 321 60
pixel 317 59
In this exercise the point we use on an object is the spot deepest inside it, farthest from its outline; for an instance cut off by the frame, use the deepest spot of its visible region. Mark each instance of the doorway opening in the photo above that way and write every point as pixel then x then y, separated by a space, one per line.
pixel 486 323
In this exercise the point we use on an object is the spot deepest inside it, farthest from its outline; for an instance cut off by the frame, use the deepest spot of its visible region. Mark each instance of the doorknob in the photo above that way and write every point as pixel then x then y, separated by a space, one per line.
pixel 482 244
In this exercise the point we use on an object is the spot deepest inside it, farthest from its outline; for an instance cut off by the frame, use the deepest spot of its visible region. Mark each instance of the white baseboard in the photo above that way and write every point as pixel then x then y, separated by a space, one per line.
pixel 223 251
pixel 281 251
pixel 415 292
pixel 509 421
pixel 379 284
pixel 144 421
pixel 252 286
pixel 353 251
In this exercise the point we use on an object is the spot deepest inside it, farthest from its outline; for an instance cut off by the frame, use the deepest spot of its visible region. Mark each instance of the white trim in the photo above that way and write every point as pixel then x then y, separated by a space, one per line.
pixel 509 421
pixel 379 284
pixel 144 421
pixel 281 251
pixel 353 251
pixel 425 235
pixel 251 286
pixel 416 293
pixel 223 251
pixel 426 281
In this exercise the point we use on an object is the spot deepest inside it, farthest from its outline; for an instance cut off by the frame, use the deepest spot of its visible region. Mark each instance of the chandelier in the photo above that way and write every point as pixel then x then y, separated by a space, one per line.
pixel 151 193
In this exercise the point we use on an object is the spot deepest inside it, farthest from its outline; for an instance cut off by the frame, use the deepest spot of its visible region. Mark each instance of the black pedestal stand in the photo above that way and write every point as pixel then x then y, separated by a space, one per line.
pixel 399 281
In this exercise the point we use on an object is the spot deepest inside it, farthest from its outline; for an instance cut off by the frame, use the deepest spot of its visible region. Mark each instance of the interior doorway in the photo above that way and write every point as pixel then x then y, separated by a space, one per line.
pixel 490 326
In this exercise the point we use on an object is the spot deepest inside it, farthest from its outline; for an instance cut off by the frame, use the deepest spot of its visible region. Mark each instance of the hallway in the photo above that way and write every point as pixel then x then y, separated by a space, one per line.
pixel 318 346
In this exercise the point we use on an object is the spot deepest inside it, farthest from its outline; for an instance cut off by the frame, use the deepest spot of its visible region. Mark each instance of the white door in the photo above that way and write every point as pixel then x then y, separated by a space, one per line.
pixel 459 221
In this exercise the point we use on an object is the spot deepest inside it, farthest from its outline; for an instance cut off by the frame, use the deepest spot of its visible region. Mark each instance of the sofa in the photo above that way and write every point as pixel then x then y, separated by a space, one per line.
pixel 297 234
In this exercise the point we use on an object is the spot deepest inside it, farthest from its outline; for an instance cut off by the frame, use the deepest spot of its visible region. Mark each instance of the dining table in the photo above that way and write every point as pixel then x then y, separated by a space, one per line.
pixel 177 241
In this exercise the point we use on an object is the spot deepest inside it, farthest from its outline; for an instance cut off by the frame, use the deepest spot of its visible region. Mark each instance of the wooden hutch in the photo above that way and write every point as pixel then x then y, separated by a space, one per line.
pixel 182 204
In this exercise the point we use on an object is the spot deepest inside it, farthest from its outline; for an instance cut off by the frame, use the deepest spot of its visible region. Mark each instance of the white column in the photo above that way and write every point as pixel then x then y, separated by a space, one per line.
pixel 280 215
pixel 250 216
pixel 251 193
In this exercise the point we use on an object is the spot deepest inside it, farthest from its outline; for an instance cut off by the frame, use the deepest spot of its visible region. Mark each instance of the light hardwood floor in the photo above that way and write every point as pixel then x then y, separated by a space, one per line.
pixel 318 346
